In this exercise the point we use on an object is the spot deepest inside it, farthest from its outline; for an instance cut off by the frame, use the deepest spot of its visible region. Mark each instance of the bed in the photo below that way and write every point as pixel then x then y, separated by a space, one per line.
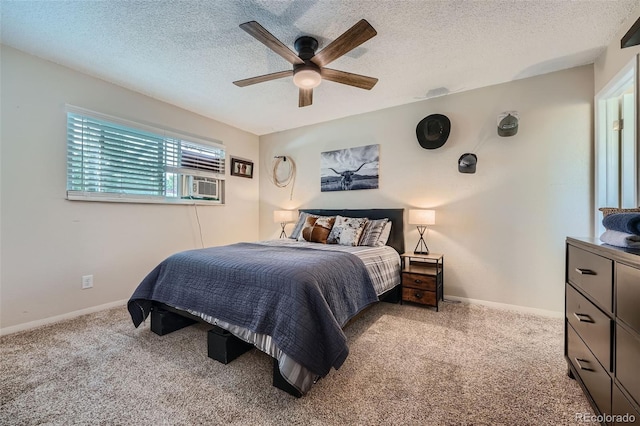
pixel 290 299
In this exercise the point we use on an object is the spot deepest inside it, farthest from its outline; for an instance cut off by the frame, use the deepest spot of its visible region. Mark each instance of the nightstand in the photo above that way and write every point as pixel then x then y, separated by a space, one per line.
pixel 423 278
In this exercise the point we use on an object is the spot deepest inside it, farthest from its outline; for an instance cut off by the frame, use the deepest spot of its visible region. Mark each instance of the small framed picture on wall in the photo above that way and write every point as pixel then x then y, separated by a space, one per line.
pixel 241 168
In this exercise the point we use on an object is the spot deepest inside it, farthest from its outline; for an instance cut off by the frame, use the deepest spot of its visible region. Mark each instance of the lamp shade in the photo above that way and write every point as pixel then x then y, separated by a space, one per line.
pixel 422 217
pixel 283 216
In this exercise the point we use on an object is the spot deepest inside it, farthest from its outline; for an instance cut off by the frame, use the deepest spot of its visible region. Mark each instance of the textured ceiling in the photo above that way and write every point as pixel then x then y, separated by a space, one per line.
pixel 188 52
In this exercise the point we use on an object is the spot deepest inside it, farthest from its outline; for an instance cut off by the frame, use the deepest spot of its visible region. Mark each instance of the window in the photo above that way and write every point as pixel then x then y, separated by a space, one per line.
pixel 109 159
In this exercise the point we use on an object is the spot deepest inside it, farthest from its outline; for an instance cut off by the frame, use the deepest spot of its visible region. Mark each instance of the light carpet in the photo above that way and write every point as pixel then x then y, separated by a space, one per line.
pixel 408 365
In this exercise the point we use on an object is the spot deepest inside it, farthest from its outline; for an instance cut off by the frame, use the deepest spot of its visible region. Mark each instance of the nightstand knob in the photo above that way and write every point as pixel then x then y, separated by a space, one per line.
pixel 418 295
pixel 418 281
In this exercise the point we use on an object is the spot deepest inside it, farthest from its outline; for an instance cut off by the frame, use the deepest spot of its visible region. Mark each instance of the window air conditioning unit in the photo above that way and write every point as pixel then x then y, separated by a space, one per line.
pixel 200 187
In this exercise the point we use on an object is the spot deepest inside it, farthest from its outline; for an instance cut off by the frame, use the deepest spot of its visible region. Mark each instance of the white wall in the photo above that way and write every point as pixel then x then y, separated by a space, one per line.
pixel 502 230
pixel 613 59
pixel 48 243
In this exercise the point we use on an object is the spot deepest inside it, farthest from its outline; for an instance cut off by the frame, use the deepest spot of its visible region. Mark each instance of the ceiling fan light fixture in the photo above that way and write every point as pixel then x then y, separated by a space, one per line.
pixel 308 67
pixel 307 78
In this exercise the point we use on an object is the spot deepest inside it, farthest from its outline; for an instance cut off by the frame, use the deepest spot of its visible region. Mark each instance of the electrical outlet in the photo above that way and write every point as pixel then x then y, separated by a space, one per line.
pixel 87 281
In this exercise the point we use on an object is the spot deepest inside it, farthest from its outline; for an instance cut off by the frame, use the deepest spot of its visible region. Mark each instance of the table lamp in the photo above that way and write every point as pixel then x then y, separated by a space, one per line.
pixel 422 218
pixel 283 217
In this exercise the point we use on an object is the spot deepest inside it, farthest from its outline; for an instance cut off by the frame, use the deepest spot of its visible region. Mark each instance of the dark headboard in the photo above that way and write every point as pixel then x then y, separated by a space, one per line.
pixel 396 216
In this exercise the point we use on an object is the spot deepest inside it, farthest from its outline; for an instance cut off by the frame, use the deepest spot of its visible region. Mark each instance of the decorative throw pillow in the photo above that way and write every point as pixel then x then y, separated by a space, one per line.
pixel 346 231
pixel 299 225
pixel 606 211
pixel 317 229
pixel 372 231
pixel 384 237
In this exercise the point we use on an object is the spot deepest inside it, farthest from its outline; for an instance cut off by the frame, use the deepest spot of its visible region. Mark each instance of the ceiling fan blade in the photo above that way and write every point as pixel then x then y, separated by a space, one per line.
pixel 269 40
pixel 305 98
pixel 349 40
pixel 262 78
pixel 356 80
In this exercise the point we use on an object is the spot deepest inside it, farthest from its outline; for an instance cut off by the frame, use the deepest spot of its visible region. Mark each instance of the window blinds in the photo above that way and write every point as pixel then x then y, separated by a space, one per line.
pixel 112 158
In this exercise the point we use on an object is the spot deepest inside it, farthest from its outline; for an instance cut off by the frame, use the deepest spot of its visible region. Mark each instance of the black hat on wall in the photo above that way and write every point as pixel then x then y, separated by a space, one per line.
pixel 432 131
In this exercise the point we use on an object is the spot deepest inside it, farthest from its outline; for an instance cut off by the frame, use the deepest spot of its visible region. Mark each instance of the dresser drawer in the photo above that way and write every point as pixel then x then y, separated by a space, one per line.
pixel 419 296
pixel 594 377
pixel 628 295
pixel 593 274
pixel 622 409
pixel 423 282
pixel 593 326
pixel 628 361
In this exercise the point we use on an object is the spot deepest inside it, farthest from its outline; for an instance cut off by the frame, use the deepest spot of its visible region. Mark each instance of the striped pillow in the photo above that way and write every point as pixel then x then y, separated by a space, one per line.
pixel 384 237
pixel 372 232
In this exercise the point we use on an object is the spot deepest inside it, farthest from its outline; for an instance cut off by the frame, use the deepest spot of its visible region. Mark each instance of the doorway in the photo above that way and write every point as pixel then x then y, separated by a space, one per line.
pixel 616 144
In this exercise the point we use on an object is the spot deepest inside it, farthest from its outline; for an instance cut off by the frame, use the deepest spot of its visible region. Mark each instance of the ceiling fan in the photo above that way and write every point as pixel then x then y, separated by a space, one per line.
pixel 308 66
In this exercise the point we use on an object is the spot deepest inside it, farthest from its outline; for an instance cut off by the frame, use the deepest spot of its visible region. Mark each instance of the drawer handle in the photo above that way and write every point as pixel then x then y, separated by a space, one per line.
pixel 583 317
pixel 578 361
pixel 418 295
pixel 417 281
pixel 585 271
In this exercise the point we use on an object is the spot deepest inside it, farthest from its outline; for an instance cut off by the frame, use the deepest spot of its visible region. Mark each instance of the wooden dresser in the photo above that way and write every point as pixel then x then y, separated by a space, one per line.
pixel 602 327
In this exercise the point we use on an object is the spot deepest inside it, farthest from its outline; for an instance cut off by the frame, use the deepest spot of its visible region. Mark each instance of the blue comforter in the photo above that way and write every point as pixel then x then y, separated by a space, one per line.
pixel 300 297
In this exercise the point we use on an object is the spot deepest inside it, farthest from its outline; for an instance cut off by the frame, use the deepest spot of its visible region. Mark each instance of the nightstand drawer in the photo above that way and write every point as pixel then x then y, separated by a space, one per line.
pixel 593 326
pixel 593 274
pixel 418 281
pixel 419 296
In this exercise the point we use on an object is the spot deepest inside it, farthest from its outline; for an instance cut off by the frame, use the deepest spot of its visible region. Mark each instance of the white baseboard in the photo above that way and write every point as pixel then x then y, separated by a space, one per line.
pixel 46 321
pixel 507 307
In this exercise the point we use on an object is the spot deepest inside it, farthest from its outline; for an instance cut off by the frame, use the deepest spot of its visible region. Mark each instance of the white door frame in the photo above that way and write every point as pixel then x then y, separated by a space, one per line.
pixel 614 89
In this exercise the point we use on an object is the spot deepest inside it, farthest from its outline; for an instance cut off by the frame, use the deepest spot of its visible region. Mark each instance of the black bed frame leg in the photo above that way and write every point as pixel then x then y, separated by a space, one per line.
pixel 392 296
pixel 281 383
pixel 224 346
pixel 165 322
